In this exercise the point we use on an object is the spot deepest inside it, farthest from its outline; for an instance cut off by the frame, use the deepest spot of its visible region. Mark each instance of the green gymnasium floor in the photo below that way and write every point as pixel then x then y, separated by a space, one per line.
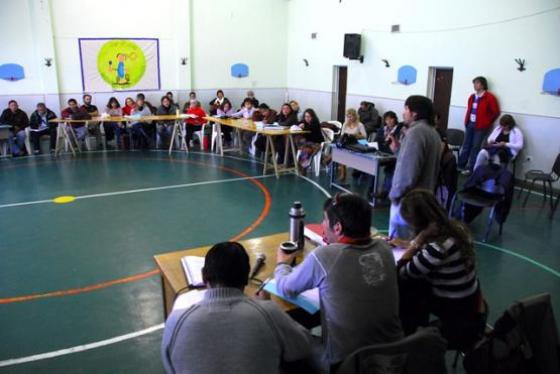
pixel 78 290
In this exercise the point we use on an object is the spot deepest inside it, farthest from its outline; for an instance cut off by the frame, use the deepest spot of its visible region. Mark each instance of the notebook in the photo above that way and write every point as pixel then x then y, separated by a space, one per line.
pixel 192 266
pixel 307 300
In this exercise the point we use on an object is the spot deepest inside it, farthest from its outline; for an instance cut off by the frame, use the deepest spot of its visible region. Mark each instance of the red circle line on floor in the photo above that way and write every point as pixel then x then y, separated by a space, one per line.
pixel 136 277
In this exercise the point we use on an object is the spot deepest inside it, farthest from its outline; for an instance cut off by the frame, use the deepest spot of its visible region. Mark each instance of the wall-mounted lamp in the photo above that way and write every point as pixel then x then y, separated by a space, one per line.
pixel 184 60
pixel 386 63
pixel 48 62
pixel 521 64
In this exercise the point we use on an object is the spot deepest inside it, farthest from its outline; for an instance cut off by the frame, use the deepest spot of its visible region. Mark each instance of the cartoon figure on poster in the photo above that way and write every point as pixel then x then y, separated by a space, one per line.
pixel 121 63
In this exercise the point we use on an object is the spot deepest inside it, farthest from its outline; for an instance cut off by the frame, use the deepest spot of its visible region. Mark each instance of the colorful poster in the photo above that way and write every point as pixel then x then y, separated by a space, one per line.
pixel 119 64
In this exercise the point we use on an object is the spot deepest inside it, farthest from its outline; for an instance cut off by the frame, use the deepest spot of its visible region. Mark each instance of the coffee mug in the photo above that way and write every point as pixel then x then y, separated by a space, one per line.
pixel 288 247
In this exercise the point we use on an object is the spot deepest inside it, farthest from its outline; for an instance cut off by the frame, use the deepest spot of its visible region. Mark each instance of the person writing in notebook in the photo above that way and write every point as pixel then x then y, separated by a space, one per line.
pixel 356 278
pixel 229 332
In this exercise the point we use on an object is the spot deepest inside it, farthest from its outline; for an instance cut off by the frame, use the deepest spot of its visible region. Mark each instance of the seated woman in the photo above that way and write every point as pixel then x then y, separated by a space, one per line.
pixel 388 140
pixel 217 102
pixel 247 137
pixel 506 137
pixel 165 127
pixel 114 110
pixel 194 124
pixel 287 116
pixel 226 111
pixel 310 143
pixel 352 127
pixel 437 272
pixel 295 107
pixel 129 105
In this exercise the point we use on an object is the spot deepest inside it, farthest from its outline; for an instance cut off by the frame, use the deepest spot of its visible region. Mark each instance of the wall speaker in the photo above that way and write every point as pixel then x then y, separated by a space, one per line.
pixel 352 46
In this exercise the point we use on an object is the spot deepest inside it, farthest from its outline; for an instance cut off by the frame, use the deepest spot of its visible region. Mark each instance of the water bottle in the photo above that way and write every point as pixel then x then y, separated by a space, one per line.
pixel 297 214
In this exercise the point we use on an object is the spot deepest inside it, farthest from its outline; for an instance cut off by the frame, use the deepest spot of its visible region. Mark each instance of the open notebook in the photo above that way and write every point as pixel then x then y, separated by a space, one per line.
pixel 192 266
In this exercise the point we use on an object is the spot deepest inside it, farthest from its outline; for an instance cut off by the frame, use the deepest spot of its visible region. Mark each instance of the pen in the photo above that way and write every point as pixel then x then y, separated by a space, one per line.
pixel 263 285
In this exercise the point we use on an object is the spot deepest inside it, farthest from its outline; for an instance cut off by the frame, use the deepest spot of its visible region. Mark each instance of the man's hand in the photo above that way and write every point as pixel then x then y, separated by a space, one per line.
pixel 399 243
pixel 281 256
pixel 262 295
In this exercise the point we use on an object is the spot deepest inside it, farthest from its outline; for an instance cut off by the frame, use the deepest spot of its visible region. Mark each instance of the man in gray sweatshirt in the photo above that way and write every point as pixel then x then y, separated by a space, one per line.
pixel 357 283
pixel 417 161
pixel 228 332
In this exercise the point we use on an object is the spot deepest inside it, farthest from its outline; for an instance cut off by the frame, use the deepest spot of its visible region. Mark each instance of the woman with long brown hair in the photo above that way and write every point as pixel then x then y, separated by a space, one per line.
pixel 437 272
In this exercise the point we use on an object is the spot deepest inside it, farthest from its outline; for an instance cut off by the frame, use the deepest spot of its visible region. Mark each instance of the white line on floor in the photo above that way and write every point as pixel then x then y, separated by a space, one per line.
pixel 327 194
pixel 142 190
pixel 79 348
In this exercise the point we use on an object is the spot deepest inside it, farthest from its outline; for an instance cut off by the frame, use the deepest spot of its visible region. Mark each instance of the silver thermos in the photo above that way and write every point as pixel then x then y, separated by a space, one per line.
pixel 297 215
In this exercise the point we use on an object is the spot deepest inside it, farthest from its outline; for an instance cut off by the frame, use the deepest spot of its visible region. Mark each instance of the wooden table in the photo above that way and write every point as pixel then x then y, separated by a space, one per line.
pixel 65 133
pixel 270 154
pixel 173 279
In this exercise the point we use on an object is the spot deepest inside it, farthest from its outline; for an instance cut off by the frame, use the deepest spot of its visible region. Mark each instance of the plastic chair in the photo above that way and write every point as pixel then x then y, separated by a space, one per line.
pixel 421 352
pixel 486 195
pixel 455 138
pixel 545 178
pixel 337 124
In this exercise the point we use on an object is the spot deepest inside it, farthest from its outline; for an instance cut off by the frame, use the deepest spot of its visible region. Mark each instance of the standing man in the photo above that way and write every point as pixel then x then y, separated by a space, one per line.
pixel 18 120
pixel 417 160
pixel 482 111
pixel 356 278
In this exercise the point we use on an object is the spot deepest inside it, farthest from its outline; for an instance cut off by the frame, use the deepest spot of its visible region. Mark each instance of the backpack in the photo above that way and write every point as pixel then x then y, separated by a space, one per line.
pixel 505 350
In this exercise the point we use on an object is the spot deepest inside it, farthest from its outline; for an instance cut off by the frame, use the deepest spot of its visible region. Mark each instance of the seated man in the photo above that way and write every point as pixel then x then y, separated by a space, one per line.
pixel 39 126
pixel 228 332
pixel 18 120
pixel 73 111
pixel 356 278
pixel 369 116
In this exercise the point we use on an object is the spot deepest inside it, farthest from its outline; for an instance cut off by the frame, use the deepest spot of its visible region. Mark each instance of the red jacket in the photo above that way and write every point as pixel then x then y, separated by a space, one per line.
pixel 197 112
pixel 487 111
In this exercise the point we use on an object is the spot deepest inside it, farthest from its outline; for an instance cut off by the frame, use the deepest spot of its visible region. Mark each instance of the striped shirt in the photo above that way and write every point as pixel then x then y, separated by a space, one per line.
pixel 443 267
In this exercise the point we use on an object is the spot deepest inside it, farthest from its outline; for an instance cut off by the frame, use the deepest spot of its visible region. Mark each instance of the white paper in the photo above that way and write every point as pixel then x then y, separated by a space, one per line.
pixel 192 266
pixel 188 299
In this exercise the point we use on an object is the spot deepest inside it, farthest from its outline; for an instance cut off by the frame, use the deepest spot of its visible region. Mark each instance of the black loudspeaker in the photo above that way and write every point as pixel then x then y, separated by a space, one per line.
pixel 352 46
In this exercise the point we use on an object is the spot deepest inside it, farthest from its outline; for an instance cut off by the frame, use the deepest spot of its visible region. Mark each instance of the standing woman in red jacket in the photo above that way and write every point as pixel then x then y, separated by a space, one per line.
pixel 482 111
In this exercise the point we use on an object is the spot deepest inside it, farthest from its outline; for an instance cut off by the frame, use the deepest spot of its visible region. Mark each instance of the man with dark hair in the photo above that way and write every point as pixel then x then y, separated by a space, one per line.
pixel 89 107
pixel 369 116
pixel 356 278
pixel 18 120
pixel 228 332
pixel 39 126
pixel 418 160
pixel 73 111
pixel 482 111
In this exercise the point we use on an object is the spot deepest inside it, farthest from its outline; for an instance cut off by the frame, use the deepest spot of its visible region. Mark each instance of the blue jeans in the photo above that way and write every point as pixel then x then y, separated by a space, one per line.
pixel 398 228
pixel 17 146
pixel 471 146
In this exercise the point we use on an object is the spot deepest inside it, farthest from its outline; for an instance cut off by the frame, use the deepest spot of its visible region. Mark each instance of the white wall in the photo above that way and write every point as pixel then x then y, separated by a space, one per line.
pixel 487 50
pixel 274 36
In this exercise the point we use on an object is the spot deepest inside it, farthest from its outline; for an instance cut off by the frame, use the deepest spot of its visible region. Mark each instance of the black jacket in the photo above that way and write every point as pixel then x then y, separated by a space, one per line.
pixel 35 120
pixel 15 119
